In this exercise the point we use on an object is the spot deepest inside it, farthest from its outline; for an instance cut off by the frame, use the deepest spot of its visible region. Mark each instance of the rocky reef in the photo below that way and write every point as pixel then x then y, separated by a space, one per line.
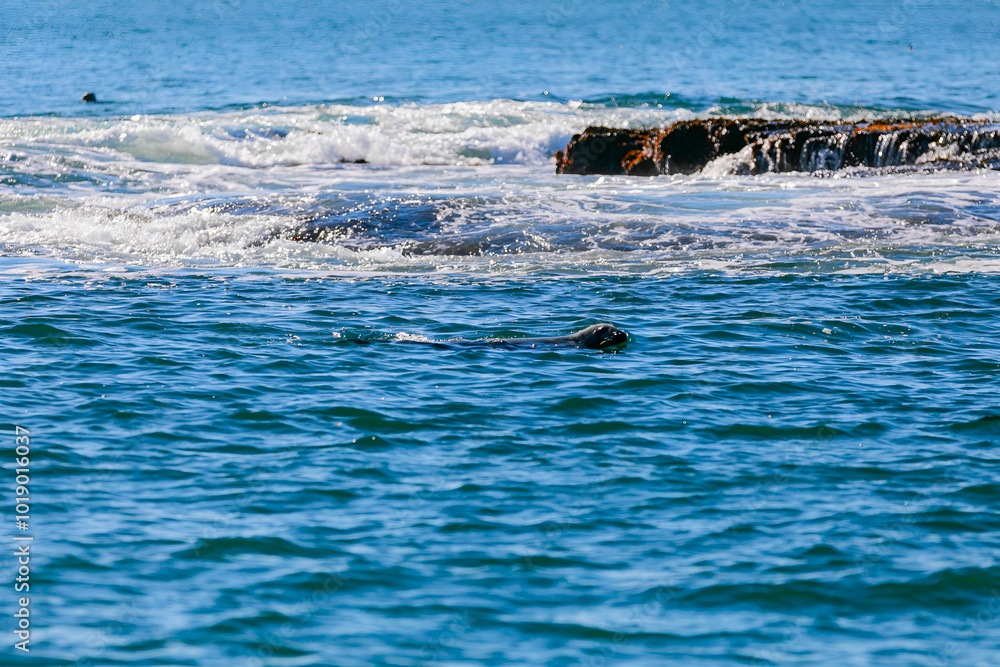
pixel 754 146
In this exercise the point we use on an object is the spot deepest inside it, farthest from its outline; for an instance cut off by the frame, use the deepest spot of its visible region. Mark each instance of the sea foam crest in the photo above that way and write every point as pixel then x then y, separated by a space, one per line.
pixel 461 133
pixel 264 187
pixel 500 131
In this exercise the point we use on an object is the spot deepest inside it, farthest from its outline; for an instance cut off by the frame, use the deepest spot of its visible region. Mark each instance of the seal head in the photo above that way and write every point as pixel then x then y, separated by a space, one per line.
pixel 600 337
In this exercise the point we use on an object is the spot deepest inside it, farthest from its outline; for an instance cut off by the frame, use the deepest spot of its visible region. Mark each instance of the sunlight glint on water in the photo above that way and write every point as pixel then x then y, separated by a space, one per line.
pixel 211 282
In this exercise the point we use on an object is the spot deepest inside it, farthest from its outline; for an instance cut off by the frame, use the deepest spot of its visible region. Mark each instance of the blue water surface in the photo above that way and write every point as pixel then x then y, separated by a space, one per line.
pixel 221 284
pixel 187 56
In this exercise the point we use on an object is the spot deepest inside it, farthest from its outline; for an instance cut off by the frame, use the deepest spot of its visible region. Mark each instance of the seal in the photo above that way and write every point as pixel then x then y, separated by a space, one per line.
pixel 88 97
pixel 596 337
pixel 605 337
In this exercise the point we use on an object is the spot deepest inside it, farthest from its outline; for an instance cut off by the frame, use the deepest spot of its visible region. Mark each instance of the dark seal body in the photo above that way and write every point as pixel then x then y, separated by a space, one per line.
pixel 605 337
pixel 596 337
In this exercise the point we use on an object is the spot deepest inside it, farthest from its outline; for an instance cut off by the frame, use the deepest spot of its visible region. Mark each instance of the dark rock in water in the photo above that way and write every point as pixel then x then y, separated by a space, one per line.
pixel 758 146
pixel 89 97
pixel 603 150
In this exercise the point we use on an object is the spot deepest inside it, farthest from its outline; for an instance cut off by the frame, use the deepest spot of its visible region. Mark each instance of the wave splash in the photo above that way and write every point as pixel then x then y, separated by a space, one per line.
pixel 461 133
pixel 755 146
pixel 457 187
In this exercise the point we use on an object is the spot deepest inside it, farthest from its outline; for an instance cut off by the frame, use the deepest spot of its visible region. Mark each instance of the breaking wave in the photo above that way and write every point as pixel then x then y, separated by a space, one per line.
pixel 462 133
pixel 459 187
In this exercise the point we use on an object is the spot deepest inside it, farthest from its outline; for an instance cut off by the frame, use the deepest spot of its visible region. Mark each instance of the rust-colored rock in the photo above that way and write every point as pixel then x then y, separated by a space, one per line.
pixel 760 146
pixel 608 151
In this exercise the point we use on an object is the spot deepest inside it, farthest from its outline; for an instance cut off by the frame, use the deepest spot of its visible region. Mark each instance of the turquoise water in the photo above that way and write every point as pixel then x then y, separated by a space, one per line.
pixel 793 462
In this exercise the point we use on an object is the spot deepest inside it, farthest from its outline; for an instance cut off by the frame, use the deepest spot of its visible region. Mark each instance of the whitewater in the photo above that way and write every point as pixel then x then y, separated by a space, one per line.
pixel 793 461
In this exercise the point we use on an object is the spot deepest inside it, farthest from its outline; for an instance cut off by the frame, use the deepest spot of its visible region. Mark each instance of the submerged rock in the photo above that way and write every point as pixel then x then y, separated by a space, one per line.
pixel 754 146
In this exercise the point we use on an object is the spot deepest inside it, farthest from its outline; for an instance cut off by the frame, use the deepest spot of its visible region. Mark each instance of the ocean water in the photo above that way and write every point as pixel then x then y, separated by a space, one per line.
pixel 793 462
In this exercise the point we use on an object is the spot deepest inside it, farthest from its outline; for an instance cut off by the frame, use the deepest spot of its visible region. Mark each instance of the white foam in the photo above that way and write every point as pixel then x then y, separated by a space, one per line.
pixel 499 131
pixel 403 336
pixel 126 192
pixel 462 133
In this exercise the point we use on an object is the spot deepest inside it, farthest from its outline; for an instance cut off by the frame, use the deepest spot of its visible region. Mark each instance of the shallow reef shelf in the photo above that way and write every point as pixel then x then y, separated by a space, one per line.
pixel 755 146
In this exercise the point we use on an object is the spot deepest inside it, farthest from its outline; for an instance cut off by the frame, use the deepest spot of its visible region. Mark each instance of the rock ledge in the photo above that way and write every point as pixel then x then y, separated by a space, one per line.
pixel 757 146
